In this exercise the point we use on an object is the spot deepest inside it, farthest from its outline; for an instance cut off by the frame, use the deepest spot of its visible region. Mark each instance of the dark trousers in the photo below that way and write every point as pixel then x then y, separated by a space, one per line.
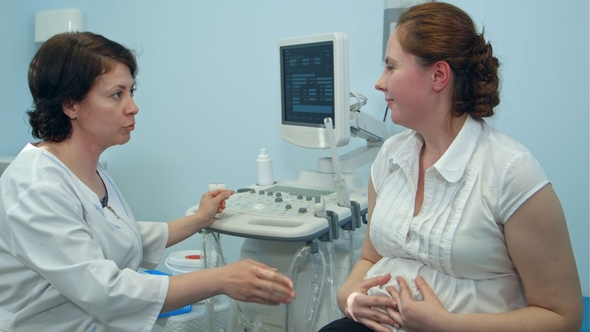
pixel 345 325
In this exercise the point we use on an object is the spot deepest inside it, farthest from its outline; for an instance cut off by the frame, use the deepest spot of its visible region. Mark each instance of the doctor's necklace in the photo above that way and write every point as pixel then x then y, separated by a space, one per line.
pixel 113 211
pixel 105 203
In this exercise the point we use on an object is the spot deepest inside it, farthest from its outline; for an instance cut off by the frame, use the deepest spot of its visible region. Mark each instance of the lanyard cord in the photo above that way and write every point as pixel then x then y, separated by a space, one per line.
pixel 104 202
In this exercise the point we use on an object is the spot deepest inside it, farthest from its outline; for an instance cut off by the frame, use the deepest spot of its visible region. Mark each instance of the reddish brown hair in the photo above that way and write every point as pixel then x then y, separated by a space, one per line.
pixel 437 31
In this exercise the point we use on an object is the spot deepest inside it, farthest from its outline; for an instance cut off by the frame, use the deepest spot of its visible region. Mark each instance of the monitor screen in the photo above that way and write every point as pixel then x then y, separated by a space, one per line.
pixel 314 85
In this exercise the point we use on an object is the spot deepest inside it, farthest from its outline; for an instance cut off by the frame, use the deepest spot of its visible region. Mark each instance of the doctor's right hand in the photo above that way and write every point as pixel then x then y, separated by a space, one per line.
pixel 362 308
pixel 251 281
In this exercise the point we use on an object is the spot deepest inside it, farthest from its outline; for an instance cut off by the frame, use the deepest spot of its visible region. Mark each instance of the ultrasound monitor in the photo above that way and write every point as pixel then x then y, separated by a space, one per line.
pixel 314 85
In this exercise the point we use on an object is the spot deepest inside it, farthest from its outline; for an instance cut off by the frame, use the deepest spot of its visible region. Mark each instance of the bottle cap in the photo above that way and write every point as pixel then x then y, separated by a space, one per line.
pixel 263 154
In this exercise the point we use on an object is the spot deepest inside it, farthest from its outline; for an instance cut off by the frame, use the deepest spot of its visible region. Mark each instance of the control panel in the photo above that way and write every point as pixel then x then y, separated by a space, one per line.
pixel 285 210
pixel 279 200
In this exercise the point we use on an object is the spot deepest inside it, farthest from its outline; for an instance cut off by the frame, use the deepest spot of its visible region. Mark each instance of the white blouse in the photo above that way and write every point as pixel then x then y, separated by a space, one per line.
pixel 456 242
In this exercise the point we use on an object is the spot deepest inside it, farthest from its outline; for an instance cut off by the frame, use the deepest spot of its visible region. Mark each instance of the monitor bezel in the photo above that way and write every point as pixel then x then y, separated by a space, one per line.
pixel 315 135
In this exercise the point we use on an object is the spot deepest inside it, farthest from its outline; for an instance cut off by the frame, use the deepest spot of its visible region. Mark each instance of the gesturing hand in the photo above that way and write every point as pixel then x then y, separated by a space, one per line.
pixel 426 315
pixel 252 281
pixel 363 308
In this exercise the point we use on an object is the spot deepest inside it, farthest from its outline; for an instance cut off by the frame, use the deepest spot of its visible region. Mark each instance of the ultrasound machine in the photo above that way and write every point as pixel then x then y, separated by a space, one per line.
pixel 306 228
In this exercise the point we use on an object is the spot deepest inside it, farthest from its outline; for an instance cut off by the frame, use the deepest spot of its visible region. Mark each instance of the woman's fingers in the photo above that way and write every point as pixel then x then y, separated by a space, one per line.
pixel 213 202
pixel 269 297
pixel 394 295
pixel 374 326
pixel 374 301
pixel 253 281
pixel 404 290
pixel 375 281
pixel 424 289
pixel 363 308
pixel 395 315
pixel 266 273
pixel 276 286
pixel 374 319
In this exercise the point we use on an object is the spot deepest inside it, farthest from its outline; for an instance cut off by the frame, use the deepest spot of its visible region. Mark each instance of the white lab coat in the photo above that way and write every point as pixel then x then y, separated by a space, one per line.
pixel 67 264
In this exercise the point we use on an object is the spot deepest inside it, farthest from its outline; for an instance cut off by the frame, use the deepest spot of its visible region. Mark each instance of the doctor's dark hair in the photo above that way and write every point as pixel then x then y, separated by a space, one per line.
pixel 437 31
pixel 63 71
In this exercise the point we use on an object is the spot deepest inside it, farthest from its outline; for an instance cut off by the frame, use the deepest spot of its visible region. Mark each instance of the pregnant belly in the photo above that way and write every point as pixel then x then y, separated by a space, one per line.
pixel 458 295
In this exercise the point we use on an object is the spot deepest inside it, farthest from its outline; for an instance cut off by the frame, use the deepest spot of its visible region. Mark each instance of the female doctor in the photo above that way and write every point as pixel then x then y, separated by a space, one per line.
pixel 70 247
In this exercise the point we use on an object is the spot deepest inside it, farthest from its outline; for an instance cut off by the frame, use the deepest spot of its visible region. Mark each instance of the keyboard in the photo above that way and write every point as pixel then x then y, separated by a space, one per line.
pixel 300 191
pixel 283 200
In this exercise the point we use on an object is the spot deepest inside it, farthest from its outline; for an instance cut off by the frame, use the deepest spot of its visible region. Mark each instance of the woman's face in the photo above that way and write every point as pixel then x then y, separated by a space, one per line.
pixel 106 116
pixel 405 84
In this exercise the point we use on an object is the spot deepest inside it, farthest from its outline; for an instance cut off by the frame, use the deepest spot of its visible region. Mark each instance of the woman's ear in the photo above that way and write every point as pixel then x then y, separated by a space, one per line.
pixel 441 75
pixel 70 110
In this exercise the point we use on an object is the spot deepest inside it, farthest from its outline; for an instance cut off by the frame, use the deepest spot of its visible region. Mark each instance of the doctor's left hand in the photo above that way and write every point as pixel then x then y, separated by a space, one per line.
pixel 212 202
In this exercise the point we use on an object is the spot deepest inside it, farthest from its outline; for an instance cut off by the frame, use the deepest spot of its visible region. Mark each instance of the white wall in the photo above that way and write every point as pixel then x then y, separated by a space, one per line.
pixel 208 92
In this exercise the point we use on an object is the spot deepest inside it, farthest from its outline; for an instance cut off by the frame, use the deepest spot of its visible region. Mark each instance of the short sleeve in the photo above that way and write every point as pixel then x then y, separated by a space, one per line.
pixel 522 177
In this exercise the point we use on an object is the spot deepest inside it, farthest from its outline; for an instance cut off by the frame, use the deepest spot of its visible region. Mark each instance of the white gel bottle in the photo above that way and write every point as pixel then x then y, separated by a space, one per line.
pixel 265 177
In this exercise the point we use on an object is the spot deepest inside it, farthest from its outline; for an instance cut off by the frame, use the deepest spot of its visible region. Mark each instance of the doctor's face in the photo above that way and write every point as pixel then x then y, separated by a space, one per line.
pixel 106 116
pixel 405 85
